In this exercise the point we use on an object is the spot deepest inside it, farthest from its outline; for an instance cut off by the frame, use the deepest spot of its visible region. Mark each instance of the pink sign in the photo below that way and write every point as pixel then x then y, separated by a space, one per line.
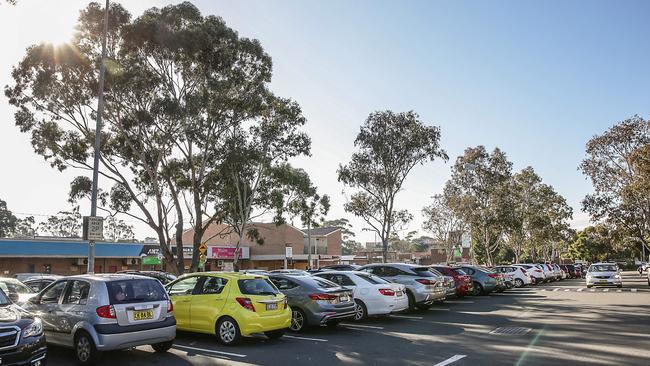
pixel 228 253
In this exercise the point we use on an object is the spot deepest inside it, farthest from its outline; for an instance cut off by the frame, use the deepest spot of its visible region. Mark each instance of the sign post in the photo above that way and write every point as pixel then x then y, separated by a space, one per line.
pixel 202 258
pixel 288 253
pixel 93 230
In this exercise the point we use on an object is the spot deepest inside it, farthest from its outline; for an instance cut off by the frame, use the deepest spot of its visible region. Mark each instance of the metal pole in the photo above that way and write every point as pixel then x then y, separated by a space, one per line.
pixel 98 137
pixel 309 244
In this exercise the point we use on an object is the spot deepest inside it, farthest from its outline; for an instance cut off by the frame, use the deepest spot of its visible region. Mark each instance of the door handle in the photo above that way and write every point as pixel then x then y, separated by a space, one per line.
pixel 218 299
pixel 183 301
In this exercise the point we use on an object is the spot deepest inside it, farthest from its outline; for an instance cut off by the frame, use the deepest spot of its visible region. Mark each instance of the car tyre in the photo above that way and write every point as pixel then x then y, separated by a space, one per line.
pixel 298 320
pixel 411 300
pixel 519 282
pixel 590 286
pixel 478 289
pixel 84 349
pixel 162 347
pixel 228 332
pixel 360 311
pixel 423 306
pixel 276 334
pixel 619 286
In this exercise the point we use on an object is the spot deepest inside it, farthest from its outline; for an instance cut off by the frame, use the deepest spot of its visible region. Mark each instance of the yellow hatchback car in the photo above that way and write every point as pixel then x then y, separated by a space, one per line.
pixel 230 305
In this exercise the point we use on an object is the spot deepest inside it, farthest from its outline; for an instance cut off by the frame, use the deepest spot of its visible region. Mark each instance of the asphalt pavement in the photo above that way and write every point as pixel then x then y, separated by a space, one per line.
pixel 561 323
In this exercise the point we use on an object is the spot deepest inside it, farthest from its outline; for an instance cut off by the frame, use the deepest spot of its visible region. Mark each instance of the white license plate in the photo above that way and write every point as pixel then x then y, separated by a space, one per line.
pixel 272 306
pixel 398 293
pixel 344 298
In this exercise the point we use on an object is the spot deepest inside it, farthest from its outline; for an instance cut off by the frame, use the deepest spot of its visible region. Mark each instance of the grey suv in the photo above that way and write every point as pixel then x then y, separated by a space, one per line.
pixel 423 287
pixel 93 313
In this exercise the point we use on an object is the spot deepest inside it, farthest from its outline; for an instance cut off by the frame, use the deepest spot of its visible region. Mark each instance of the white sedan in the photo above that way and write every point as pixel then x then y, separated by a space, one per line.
pixel 372 295
pixel 520 276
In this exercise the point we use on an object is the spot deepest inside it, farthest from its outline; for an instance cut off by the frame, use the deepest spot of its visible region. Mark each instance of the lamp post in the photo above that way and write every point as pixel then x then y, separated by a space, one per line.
pixel 98 139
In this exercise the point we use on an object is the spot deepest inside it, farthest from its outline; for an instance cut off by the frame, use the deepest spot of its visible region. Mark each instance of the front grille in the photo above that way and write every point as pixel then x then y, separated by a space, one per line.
pixel 9 337
pixel 602 277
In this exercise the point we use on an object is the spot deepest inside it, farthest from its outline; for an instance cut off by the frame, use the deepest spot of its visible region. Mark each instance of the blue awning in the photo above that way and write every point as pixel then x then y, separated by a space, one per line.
pixel 67 249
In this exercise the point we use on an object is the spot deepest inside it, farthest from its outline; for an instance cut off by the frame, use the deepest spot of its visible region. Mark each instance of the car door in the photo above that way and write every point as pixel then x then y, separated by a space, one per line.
pixel 72 309
pixel 48 310
pixel 180 293
pixel 207 302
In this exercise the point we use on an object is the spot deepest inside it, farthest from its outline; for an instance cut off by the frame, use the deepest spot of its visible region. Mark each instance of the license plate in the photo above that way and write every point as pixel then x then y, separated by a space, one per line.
pixel 602 281
pixel 143 315
pixel 344 298
pixel 272 306
pixel 399 293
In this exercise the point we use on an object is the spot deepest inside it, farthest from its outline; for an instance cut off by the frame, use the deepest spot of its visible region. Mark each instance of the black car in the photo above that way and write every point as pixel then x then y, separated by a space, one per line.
pixel 22 341
pixel 161 276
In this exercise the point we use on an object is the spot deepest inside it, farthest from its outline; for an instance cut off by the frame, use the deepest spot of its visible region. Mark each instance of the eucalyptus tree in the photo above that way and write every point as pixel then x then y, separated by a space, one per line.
pixel 446 225
pixel 389 146
pixel 176 83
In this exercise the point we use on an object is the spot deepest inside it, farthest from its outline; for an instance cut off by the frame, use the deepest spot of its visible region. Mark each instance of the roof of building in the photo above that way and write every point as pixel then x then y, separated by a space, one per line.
pixel 67 249
pixel 321 231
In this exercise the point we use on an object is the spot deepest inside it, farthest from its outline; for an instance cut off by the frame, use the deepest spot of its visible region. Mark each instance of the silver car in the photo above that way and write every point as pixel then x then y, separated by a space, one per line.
pixel 94 313
pixel 604 274
pixel 423 287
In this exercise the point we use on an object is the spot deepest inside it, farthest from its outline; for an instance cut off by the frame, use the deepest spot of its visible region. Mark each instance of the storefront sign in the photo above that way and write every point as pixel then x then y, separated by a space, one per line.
pixel 151 261
pixel 228 252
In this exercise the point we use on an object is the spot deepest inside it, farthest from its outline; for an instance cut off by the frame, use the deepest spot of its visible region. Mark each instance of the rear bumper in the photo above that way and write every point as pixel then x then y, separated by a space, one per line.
pixel 117 341
pixel 430 297
pixel 254 323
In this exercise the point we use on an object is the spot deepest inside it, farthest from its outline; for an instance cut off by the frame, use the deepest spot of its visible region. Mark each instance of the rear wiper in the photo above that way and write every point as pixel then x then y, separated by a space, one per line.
pixel 267 293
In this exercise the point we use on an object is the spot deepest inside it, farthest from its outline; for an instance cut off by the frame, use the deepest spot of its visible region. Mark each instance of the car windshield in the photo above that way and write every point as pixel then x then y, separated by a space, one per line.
pixel 4 300
pixel 602 268
pixel 257 286
pixel 373 279
pixel 323 283
pixel 424 272
pixel 14 286
pixel 135 291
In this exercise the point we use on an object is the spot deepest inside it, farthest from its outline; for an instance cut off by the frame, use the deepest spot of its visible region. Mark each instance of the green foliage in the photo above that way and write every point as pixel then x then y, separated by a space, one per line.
pixel 66 224
pixel 389 146
pixel 443 222
pixel 8 221
pixel 349 245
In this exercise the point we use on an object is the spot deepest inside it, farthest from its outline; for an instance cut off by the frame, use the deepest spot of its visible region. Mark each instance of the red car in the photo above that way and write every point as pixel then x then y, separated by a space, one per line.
pixel 463 282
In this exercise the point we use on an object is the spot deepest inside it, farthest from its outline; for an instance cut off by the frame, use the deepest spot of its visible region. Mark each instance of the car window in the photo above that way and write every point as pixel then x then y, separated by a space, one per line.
pixel 375 280
pixel 423 272
pixel 135 291
pixel 469 271
pixel 389 272
pixel 53 293
pixel 460 271
pixel 77 293
pixel 435 272
pixel 14 286
pixel 184 286
pixel 213 285
pixel 323 283
pixel 257 286
pixel 603 268
pixel 374 270
pixel 283 283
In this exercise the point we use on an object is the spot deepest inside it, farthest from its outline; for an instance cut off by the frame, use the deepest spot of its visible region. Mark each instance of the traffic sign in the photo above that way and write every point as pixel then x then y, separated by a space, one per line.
pixel 288 252
pixel 93 228
pixel 203 248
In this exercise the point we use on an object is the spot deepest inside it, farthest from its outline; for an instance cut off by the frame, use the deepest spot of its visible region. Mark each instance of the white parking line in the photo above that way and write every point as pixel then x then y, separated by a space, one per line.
pixel 567 290
pixel 592 290
pixel 459 302
pixel 556 290
pixel 407 317
pixel 543 289
pixel 450 360
pixel 581 289
pixel 633 290
pixel 305 338
pixel 439 309
pixel 606 290
pixel 209 351
pixel 619 290
pixel 361 326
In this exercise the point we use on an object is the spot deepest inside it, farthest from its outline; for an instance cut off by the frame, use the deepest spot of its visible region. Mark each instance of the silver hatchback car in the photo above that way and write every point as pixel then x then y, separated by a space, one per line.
pixel 94 313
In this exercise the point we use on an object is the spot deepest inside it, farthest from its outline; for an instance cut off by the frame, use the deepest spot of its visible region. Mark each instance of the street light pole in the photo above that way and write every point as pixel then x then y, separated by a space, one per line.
pixel 98 139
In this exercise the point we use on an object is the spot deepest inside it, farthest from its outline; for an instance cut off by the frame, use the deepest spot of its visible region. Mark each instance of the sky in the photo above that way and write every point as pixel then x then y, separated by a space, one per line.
pixel 536 79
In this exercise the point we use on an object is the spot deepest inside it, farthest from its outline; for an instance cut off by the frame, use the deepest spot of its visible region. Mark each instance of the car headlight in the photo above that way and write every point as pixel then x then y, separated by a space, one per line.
pixel 34 329
pixel 618 276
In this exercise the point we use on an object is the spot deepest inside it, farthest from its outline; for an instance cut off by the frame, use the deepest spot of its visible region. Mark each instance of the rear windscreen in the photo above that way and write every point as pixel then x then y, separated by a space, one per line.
pixel 373 279
pixel 135 291
pixel 460 271
pixel 323 283
pixel 423 272
pixel 257 286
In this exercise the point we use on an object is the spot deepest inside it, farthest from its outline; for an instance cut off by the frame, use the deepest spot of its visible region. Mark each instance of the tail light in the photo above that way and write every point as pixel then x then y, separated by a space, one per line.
pixel 170 307
pixel 424 281
pixel 493 275
pixel 106 311
pixel 538 270
pixel 323 297
pixel 286 302
pixel 522 270
pixel 246 303
pixel 387 292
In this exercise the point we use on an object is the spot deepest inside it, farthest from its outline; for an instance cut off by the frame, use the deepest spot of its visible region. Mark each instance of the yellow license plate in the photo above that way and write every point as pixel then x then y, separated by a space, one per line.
pixel 143 315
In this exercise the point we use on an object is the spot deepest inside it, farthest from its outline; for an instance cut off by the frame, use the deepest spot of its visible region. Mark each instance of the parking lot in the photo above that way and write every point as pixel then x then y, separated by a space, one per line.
pixel 560 323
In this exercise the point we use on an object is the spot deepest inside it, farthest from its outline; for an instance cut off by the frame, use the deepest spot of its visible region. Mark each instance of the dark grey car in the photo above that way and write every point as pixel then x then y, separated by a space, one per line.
pixel 484 280
pixel 314 300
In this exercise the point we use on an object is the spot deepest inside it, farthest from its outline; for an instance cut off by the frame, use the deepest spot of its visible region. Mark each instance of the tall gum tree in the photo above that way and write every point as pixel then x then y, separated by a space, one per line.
pixel 389 146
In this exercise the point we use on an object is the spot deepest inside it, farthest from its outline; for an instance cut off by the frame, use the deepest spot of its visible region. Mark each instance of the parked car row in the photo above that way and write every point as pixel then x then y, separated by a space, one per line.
pixel 95 313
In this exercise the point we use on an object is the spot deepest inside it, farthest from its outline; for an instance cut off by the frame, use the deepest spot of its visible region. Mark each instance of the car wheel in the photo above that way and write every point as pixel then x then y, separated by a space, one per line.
pixel 298 320
pixel 590 286
pixel 360 310
pixel 411 300
pixel 519 282
pixel 162 347
pixel 276 334
pixel 478 289
pixel 85 350
pixel 228 332
pixel 619 286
